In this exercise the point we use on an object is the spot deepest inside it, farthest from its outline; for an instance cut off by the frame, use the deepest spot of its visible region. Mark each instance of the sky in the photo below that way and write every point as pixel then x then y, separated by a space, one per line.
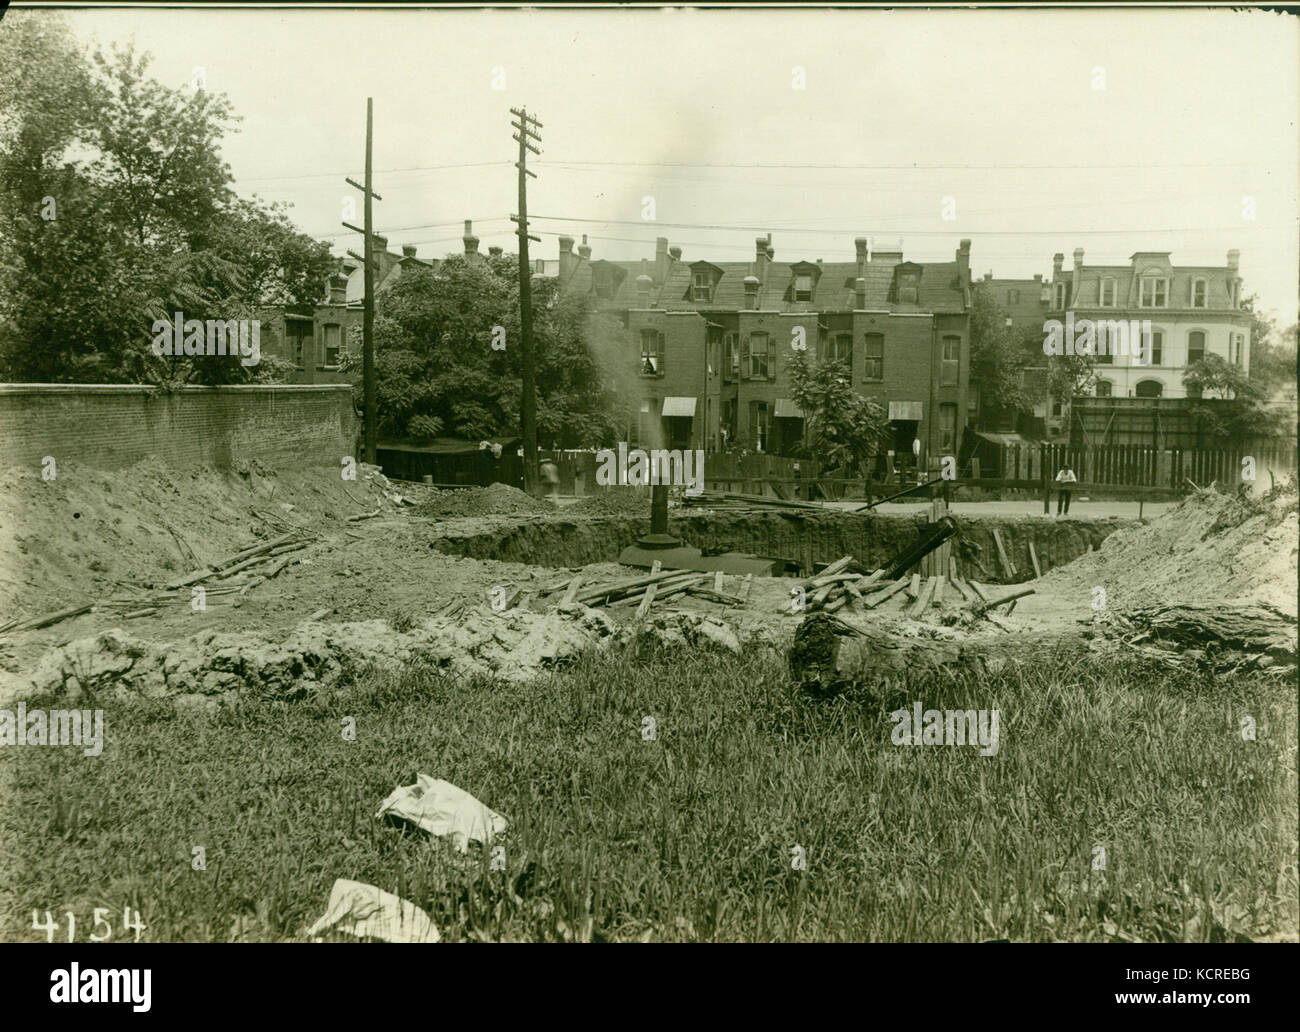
pixel 1040 130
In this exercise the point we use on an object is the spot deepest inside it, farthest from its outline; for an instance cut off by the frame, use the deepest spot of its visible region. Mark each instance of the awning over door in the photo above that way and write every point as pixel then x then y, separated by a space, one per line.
pixel 679 407
pixel 787 409
pixel 903 410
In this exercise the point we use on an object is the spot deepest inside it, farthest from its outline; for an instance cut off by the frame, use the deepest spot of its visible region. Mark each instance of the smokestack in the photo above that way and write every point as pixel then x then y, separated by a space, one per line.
pixel 470 240
pixel 567 258
pixel 584 251
pixel 860 293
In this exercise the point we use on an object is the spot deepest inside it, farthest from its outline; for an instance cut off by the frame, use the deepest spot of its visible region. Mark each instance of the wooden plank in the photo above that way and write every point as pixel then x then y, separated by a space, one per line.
pixel 1033 555
pixel 884 596
pixel 656 567
pixel 830 571
pixel 571 590
pixel 974 586
pixel 939 584
pixel 717 581
pixel 914 588
pixel 966 594
pixel 1008 567
pixel 744 589
pixel 924 598
pixel 646 600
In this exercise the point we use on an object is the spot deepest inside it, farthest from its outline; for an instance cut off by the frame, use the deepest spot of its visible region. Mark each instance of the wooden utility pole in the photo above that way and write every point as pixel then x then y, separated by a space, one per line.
pixel 528 413
pixel 368 269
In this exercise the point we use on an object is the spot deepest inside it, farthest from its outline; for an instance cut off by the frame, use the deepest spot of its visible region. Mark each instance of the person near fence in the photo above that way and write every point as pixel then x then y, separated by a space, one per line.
pixel 1065 481
pixel 551 478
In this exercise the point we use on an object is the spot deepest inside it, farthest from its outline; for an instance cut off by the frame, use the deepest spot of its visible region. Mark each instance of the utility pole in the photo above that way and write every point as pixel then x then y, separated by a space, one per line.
pixel 528 414
pixel 368 269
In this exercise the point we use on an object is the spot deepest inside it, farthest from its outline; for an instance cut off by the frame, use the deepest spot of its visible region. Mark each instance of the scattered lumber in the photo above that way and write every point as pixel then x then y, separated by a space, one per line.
pixel 646 601
pixel 1033 555
pixel 1008 568
pixel 572 590
pixel 984 605
pixel 914 588
pixel 364 516
pixel 744 590
pixel 939 583
pixel 882 596
pixel 923 599
pixel 36 623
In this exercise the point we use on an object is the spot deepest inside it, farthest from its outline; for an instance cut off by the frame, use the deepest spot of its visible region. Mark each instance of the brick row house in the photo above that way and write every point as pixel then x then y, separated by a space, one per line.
pixel 713 341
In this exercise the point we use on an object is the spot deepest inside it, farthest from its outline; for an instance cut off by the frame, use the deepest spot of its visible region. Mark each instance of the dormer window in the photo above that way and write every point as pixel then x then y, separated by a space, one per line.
pixel 803 287
pixel 1198 293
pixel 1155 292
pixel 1108 293
pixel 702 287
pixel 907 288
pixel 1058 296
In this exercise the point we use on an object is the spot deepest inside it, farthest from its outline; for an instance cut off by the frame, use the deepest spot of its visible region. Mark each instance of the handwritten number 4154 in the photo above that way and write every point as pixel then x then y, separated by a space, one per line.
pixel 50 926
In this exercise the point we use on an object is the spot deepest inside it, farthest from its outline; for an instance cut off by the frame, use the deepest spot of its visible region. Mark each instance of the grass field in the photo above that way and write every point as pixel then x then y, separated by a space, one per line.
pixel 690 835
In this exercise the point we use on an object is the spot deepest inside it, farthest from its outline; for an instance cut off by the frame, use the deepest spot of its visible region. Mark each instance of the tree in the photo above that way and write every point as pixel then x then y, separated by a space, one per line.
pixel 997 358
pixel 843 428
pixel 437 371
pixel 1272 354
pixel 1240 411
pixel 143 221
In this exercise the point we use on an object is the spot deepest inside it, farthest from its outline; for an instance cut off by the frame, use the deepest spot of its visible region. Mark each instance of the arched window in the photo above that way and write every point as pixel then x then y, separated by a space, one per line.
pixel 1148 389
pixel 1195 346
pixel 1103 388
pixel 1198 293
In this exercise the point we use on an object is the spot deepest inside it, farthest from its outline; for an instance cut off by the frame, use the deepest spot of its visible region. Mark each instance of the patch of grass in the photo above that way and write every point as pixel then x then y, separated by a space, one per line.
pixel 689 834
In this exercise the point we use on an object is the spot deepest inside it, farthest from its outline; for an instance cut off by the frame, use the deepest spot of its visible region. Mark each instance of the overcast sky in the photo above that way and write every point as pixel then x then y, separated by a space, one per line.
pixel 901 109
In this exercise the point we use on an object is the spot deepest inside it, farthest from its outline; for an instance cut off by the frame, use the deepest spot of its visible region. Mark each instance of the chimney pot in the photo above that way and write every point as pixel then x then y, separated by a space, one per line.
pixel 1078 256
pixel 408 250
pixel 1234 257
pixel 495 252
pixel 751 292
pixel 675 253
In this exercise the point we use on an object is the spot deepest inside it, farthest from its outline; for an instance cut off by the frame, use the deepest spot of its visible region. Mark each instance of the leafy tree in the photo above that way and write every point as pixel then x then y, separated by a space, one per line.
pixel 437 372
pixel 119 211
pixel 998 357
pixel 1239 411
pixel 1272 353
pixel 844 429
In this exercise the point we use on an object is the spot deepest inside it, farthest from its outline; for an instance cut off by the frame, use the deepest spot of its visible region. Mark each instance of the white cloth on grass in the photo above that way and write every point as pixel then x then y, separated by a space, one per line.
pixel 371 913
pixel 440 808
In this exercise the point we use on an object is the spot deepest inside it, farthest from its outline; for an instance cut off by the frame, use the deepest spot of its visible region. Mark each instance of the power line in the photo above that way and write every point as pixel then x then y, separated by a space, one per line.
pixel 329 175
pixel 913 167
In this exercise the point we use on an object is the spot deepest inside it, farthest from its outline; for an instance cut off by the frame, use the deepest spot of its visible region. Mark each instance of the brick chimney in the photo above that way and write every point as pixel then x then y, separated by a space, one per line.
pixel 963 263
pixel 567 258
pixel 381 244
pixel 661 259
pixel 338 288
pixel 860 246
pixel 1075 272
pixel 408 250
pixel 1234 257
pixel 643 285
pixel 495 252
pixel 1058 260
pixel 761 258
pixel 751 292
pixel 470 240
pixel 860 293
pixel 584 249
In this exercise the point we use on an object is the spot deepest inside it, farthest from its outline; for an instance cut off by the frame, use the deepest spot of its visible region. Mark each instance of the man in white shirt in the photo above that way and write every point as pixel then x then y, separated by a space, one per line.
pixel 1065 481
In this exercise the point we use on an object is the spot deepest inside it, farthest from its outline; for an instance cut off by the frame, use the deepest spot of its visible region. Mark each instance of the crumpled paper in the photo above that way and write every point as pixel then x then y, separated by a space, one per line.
pixel 442 809
pixel 369 912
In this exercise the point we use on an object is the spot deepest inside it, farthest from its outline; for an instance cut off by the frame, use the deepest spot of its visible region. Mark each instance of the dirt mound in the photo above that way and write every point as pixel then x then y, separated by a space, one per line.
pixel 613 501
pixel 1209 548
pixel 494 500
pixel 88 532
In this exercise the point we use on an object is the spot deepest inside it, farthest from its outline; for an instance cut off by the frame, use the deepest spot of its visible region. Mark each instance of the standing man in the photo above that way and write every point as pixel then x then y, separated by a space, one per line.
pixel 1065 481
pixel 551 478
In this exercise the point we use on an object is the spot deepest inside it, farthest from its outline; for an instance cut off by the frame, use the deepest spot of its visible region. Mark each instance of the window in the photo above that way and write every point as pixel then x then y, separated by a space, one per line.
pixel 333 339
pixel 1195 346
pixel 951 364
pixel 730 358
pixel 1148 389
pixel 907 288
pixel 652 353
pixel 1108 292
pixel 1013 297
pixel 841 350
pixel 948 427
pixel 1155 292
pixel 873 347
pixel 973 398
pixel 1058 296
pixel 298 336
pixel 1103 388
pixel 702 287
pixel 1157 347
pixel 1056 406
pixel 803 288
pixel 1198 293
pixel 1238 345
pixel 762 357
pixel 758 425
